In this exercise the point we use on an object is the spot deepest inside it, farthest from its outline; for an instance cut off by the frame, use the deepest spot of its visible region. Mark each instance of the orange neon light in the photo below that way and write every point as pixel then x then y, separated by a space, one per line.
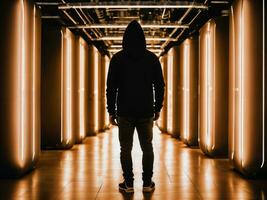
pixel 69 89
pixel 96 65
pixel 186 96
pixel 81 89
pixel 33 85
pixel 22 84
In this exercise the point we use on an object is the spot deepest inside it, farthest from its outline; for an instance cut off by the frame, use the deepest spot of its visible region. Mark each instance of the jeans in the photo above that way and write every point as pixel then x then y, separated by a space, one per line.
pixel 145 134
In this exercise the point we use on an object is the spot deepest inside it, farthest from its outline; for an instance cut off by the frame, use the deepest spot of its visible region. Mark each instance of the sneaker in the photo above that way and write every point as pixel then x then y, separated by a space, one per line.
pixel 149 187
pixel 126 188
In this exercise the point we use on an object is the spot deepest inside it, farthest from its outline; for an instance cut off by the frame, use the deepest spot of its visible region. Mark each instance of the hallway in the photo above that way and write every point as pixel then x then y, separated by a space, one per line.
pixel 92 171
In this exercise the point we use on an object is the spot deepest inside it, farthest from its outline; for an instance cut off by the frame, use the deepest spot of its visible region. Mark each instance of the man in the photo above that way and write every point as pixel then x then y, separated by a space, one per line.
pixel 135 90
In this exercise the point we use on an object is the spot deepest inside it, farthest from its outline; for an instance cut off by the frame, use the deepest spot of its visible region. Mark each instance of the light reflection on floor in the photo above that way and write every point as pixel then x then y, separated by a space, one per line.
pixel 92 171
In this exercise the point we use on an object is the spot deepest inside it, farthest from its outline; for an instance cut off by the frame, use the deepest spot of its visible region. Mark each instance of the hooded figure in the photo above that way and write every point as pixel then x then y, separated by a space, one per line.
pixel 133 74
pixel 135 90
pixel 134 42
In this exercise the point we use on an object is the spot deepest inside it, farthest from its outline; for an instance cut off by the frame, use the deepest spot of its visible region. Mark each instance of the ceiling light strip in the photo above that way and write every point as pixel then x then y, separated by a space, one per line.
pixel 136 5
pixel 47 3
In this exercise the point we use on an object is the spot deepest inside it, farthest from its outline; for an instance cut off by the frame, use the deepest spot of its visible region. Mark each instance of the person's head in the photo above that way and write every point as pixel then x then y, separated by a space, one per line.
pixel 134 38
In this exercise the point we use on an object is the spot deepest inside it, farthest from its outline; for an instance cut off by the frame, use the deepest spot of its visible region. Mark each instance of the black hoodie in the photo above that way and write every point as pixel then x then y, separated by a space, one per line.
pixel 133 74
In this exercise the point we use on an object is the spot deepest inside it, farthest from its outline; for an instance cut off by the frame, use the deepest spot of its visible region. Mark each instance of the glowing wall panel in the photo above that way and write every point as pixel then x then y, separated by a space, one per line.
pixel 172 91
pixel 247 136
pixel 103 120
pixel 189 94
pixel 102 92
pixel 107 60
pixel 57 87
pixel 80 88
pixel 159 122
pixel 176 90
pixel 213 81
pixel 169 90
pixel 162 124
pixel 93 91
pixel 20 34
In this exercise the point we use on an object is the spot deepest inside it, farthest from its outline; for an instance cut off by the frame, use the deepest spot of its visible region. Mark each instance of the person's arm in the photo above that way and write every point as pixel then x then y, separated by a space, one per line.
pixel 158 83
pixel 111 91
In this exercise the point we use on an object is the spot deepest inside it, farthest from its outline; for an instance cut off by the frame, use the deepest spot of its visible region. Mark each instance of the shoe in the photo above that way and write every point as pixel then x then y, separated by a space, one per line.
pixel 149 187
pixel 126 188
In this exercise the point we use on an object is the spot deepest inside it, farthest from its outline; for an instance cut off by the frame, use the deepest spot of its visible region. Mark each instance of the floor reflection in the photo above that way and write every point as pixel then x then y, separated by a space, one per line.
pixel 92 171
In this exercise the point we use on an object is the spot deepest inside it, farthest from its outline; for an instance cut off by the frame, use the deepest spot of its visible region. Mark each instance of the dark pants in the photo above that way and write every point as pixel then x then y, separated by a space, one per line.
pixel 145 134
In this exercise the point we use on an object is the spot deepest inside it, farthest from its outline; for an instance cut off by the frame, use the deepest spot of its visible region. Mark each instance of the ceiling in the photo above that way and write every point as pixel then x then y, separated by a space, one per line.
pixel 102 23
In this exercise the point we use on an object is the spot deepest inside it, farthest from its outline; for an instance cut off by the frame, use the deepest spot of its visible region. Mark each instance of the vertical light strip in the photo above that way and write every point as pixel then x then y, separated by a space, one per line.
pixel 81 89
pixel 22 73
pixel 213 59
pixel 170 83
pixel 62 86
pixel 69 85
pixel 263 84
pixel 106 72
pixel 241 57
pixel 96 65
pixel 233 83
pixel 208 102
pixel 33 84
pixel 186 89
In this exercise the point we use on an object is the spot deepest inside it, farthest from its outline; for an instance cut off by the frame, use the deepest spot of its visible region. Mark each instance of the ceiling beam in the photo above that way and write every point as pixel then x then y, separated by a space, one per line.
pixel 120 38
pixel 133 4
pixel 116 46
pixel 123 26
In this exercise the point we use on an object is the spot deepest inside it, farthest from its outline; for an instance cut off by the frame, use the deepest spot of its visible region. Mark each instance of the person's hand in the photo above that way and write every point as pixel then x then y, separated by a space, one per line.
pixel 112 120
pixel 156 116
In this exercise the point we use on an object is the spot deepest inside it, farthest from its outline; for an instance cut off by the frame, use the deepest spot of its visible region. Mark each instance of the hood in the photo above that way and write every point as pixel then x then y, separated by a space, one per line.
pixel 134 41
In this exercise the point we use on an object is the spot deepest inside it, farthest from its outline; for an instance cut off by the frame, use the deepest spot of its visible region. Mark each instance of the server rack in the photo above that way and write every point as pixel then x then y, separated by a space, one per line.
pixel 57 87
pixel 213 41
pixel 20 87
pixel 189 91
pixel 247 113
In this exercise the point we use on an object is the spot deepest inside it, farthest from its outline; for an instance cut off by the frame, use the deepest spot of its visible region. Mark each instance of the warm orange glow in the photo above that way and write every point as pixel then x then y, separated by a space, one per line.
pixel 233 93
pixel 81 88
pixel 106 75
pixel 96 65
pixel 69 89
pixel 209 76
pixel 62 87
pixel 186 86
pixel 263 84
pixel 33 85
pixel 22 82
pixel 207 90
pixel 241 86
pixel 169 90
pixel 66 87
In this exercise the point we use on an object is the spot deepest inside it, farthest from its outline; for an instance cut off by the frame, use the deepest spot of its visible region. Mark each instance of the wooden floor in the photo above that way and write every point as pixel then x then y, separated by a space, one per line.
pixel 92 171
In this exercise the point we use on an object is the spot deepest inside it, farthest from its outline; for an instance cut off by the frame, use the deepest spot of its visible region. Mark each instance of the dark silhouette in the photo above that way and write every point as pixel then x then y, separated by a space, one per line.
pixel 134 75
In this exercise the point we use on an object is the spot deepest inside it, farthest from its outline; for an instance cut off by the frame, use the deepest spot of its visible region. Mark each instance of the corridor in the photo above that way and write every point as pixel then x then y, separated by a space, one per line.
pixel 205 86
pixel 92 171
